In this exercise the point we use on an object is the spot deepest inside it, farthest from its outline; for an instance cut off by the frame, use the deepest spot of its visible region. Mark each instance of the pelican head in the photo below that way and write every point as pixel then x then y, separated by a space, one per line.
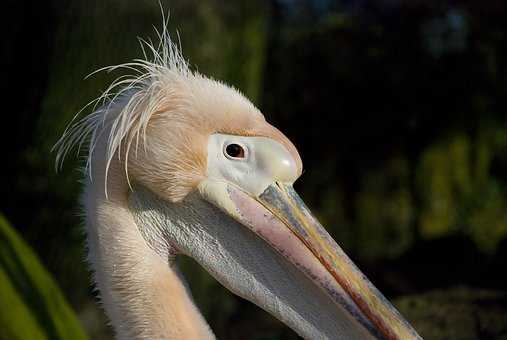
pixel 207 176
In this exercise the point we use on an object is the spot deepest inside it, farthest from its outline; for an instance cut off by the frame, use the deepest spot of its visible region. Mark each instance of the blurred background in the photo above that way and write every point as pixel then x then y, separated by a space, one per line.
pixel 398 109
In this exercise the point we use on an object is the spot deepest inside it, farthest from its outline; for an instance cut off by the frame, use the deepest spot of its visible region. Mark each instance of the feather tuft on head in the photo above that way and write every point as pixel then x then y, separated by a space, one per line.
pixel 156 121
pixel 132 98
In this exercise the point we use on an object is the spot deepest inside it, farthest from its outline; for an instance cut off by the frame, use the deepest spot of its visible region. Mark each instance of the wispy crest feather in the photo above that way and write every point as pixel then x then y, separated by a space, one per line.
pixel 133 98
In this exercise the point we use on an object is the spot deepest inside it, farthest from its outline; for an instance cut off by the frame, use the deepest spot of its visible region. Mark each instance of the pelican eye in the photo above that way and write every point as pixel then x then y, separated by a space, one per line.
pixel 234 150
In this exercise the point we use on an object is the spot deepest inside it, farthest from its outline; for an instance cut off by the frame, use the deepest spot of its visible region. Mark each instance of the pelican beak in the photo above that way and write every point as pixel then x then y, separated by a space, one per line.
pixel 281 218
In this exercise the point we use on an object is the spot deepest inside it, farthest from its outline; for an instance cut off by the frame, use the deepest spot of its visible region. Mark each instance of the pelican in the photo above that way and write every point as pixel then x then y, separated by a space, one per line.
pixel 182 164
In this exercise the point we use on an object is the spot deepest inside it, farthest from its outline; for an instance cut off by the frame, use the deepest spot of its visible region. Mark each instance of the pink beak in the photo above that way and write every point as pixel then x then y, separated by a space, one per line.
pixel 280 217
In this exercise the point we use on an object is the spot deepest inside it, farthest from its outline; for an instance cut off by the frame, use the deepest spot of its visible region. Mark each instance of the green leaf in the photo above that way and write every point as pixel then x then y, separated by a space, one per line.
pixel 33 306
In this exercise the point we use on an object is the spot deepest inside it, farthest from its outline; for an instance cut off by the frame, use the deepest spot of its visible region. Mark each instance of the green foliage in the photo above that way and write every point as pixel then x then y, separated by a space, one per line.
pixel 459 193
pixel 32 305
pixel 407 116
pixel 457 313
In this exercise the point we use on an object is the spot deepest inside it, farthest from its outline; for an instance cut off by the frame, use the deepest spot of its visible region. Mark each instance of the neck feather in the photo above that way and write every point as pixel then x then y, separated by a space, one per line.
pixel 140 288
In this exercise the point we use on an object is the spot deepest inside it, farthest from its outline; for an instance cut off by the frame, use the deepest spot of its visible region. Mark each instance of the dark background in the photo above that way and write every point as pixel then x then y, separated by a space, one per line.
pixel 398 109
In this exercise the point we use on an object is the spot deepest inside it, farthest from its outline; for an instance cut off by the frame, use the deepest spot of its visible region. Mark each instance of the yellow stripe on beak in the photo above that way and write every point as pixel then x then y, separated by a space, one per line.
pixel 284 203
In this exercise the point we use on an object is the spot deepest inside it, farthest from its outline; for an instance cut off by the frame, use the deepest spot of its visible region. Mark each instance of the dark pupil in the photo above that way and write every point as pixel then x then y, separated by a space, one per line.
pixel 234 150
